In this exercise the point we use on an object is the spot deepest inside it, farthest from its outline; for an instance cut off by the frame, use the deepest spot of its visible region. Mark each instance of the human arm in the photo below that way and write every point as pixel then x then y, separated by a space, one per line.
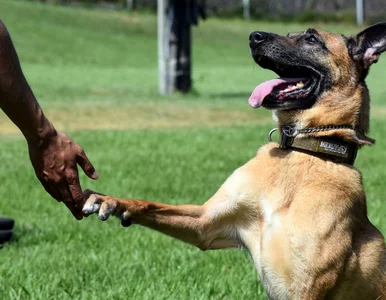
pixel 53 154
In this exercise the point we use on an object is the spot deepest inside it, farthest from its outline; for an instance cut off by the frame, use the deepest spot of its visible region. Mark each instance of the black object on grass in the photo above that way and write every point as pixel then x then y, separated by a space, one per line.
pixel 6 226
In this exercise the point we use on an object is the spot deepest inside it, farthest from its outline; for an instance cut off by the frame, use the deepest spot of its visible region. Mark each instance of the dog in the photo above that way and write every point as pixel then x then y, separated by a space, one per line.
pixel 298 206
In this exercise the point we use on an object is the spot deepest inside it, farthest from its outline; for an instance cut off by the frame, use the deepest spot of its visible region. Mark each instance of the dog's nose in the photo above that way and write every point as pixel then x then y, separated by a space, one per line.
pixel 256 38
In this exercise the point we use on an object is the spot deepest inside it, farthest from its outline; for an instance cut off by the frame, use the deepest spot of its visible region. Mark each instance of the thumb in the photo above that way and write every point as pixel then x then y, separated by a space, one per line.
pixel 87 166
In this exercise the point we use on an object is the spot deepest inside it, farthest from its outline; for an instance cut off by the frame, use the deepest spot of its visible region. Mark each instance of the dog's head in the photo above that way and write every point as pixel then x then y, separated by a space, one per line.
pixel 321 77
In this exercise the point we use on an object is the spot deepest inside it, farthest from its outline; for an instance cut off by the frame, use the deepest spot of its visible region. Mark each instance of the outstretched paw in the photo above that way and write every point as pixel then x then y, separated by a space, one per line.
pixel 101 204
pixel 105 206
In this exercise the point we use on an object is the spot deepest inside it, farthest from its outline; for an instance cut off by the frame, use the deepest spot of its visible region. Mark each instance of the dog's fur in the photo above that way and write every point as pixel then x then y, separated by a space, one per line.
pixel 303 218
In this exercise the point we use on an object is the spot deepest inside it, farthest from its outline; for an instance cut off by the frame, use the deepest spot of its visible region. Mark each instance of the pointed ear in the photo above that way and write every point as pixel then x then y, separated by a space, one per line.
pixel 367 45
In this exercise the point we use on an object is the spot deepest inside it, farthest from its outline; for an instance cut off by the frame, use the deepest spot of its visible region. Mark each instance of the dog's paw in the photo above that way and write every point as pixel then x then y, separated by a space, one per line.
pixel 104 206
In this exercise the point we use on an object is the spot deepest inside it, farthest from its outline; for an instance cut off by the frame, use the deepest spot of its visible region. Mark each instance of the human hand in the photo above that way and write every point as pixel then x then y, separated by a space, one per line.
pixel 55 161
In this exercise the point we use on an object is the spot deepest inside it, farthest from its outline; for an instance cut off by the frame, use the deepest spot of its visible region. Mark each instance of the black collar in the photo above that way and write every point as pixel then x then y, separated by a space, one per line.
pixel 331 148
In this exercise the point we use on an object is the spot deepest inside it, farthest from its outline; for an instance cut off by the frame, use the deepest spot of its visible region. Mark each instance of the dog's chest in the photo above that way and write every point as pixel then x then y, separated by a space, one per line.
pixel 269 247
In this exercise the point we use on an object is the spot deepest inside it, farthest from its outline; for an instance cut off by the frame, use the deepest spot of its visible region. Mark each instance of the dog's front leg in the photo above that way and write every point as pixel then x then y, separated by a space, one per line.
pixel 207 227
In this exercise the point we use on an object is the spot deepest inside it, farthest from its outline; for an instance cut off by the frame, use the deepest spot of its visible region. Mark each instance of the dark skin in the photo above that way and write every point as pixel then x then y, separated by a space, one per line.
pixel 53 154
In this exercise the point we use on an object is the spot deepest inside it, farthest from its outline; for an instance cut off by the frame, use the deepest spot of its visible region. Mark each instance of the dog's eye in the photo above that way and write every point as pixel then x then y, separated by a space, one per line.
pixel 312 39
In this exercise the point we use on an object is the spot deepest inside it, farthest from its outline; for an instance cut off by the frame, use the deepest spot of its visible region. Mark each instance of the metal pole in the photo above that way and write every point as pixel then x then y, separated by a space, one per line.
pixel 247 9
pixel 162 46
pixel 172 43
pixel 360 12
pixel 130 4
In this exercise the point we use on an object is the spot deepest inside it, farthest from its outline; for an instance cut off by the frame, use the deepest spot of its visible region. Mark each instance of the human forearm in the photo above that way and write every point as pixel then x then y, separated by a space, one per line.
pixel 26 113
pixel 16 97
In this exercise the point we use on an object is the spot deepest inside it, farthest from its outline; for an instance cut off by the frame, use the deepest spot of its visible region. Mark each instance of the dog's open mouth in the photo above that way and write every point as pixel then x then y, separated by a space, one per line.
pixel 291 91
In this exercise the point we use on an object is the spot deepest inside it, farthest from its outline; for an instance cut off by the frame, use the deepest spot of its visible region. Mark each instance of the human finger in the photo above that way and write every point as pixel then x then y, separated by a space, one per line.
pixel 68 200
pixel 86 165
pixel 75 189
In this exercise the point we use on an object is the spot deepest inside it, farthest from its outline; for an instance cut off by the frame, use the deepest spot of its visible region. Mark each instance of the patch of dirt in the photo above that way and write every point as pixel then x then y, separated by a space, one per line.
pixel 142 116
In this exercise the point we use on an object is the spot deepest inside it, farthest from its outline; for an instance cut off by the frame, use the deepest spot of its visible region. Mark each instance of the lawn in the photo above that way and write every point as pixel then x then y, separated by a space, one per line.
pixel 95 74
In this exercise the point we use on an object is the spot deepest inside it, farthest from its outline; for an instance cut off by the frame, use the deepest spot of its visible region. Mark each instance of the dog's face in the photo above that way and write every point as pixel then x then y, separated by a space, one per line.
pixel 321 75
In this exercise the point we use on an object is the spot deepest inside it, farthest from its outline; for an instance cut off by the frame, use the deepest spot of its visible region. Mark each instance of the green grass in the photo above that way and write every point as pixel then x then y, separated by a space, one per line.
pixel 89 68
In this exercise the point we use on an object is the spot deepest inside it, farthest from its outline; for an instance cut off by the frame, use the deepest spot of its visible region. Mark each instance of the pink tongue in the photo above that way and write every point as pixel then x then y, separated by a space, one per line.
pixel 264 89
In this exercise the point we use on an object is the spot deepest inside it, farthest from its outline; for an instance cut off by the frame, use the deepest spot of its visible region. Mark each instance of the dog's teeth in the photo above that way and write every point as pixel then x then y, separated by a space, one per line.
pixel 291 87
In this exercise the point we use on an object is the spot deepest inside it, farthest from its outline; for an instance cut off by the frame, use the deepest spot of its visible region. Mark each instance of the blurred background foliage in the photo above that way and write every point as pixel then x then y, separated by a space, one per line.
pixel 286 10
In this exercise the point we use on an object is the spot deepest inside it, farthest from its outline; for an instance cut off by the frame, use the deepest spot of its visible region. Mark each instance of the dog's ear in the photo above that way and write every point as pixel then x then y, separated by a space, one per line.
pixel 367 45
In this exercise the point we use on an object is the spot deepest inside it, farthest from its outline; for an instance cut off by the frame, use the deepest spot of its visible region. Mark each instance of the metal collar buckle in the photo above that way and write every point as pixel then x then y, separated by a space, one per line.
pixel 286 135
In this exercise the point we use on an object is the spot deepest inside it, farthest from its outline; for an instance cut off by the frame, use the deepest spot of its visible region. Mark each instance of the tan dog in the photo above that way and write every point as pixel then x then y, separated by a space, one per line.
pixel 298 207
